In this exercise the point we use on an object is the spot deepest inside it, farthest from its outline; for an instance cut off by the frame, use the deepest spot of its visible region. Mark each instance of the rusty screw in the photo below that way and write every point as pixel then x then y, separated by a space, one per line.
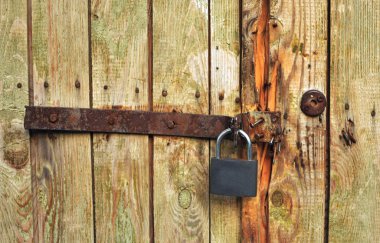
pixel 77 84
pixel 170 124
pixel 46 84
pixel 260 120
pixel 197 94
pixel 19 85
pixel 53 118
pixel 164 92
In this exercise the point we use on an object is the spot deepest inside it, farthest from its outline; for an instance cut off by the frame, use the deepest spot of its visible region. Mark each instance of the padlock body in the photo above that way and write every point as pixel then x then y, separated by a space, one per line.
pixel 231 177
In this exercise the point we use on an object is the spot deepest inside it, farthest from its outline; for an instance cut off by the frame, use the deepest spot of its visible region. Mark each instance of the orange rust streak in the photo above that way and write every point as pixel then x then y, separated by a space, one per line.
pixel 256 211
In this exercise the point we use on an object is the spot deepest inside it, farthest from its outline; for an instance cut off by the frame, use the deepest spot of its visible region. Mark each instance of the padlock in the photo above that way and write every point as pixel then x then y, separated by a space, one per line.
pixel 233 177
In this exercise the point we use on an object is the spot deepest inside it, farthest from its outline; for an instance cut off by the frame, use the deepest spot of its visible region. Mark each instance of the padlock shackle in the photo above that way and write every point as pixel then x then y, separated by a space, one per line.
pixel 241 133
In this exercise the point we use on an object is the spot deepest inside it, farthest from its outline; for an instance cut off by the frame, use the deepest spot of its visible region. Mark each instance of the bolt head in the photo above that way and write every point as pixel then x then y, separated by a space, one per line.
pixel 53 118
pixel 170 124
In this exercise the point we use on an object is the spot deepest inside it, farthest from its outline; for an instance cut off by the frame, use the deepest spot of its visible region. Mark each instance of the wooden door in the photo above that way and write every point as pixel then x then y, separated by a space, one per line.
pixel 190 56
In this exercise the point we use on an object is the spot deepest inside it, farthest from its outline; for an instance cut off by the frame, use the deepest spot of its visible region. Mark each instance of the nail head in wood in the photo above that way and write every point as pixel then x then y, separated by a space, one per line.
pixel 77 84
pixel 164 93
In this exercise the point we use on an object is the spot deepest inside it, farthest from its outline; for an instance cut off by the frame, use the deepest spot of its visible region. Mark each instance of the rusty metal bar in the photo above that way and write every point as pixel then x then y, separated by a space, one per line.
pixel 124 121
pixel 261 126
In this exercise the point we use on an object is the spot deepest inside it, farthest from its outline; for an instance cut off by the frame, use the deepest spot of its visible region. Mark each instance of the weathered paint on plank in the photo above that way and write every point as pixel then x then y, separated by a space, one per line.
pixel 15 190
pixel 61 163
pixel 180 68
pixel 355 95
pixel 120 81
pixel 225 59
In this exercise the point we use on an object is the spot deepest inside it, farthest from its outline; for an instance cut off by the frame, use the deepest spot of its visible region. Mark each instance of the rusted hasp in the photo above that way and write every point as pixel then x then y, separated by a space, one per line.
pixel 140 122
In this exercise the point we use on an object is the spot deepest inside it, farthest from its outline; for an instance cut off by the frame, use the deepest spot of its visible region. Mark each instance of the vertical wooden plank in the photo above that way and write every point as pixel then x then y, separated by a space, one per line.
pixel 297 190
pixel 250 12
pixel 61 163
pixel 355 103
pixel 225 67
pixel 180 68
pixel 298 41
pixel 15 189
pixel 120 81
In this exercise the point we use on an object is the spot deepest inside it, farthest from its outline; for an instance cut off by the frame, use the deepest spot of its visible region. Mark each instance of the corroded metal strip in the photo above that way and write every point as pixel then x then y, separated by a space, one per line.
pixel 150 123
pixel 124 121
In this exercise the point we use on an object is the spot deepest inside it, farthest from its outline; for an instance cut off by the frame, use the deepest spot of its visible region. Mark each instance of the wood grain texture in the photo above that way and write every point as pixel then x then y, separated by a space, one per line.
pixel 61 163
pixel 180 67
pixel 250 12
pixel 297 189
pixel 298 34
pixel 225 67
pixel 121 162
pixel 15 190
pixel 355 96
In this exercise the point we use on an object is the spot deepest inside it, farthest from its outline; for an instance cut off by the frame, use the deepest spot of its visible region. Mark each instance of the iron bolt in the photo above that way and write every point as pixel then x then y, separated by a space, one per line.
pixel 53 118
pixel 170 124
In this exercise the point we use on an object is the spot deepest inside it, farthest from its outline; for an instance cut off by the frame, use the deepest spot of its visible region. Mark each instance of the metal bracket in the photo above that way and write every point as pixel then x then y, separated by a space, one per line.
pixel 262 126
pixel 148 123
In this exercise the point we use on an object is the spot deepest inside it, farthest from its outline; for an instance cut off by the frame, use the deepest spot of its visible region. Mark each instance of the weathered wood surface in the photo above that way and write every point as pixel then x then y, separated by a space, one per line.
pixel 298 41
pixel 355 96
pixel 120 81
pixel 15 189
pixel 225 67
pixel 61 163
pixel 180 69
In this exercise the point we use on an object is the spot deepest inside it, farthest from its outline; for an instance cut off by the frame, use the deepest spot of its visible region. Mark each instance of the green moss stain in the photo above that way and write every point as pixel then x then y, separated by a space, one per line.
pixel 125 231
